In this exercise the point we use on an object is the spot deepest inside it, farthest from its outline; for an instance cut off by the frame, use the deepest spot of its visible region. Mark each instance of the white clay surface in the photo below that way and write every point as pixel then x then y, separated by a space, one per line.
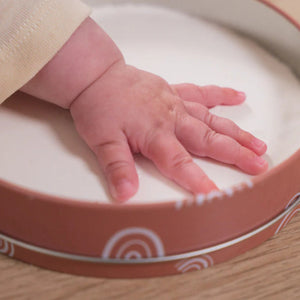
pixel 41 150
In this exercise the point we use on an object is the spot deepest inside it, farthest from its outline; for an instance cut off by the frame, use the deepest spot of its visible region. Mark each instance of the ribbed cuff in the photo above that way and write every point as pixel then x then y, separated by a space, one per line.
pixel 46 28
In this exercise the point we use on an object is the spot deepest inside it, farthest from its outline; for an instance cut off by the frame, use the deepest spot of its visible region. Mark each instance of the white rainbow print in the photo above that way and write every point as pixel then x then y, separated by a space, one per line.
pixel 193 264
pixel 289 216
pixel 206 198
pixel 133 243
pixel 7 248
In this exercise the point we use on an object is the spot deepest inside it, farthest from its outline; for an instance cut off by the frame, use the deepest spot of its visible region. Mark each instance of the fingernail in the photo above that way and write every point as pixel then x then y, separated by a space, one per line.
pixel 122 190
pixel 260 161
pixel 241 95
pixel 209 186
pixel 258 143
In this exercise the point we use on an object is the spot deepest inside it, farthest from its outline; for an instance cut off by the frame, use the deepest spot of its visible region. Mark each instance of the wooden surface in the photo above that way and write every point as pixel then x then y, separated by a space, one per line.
pixel 271 271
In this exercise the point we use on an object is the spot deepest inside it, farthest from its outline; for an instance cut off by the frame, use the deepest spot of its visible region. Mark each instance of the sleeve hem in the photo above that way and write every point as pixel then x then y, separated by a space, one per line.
pixel 45 30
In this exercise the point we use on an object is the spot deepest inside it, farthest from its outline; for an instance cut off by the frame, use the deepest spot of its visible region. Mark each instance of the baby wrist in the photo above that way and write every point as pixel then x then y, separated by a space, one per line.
pixel 82 60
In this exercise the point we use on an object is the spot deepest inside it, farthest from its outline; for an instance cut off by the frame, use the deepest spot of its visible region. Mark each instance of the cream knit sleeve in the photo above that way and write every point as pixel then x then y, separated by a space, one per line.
pixel 31 33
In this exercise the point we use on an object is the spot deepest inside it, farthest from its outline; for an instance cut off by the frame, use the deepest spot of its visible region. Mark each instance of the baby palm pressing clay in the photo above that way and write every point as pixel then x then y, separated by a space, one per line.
pixel 41 150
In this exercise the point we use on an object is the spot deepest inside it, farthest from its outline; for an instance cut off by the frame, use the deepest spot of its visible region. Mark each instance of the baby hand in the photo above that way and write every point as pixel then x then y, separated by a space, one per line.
pixel 120 110
pixel 128 111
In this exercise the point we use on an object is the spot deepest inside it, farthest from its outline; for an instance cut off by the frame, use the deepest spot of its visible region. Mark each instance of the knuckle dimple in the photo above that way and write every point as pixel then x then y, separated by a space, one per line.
pixel 171 107
pixel 158 125
pixel 174 107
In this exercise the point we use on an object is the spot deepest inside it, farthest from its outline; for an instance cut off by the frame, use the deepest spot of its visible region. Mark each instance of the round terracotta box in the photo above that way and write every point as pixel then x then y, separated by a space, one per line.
pixel 144 240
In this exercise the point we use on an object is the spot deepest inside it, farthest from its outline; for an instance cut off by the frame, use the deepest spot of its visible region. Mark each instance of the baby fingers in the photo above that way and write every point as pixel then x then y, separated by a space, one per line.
pixel 226 127
pixel 209 95
pixel 201 140
pixel 175 162
pixel 117 163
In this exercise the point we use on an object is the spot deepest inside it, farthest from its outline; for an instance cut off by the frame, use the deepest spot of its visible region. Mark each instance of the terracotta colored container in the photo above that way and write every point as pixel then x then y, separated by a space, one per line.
pixel 168 238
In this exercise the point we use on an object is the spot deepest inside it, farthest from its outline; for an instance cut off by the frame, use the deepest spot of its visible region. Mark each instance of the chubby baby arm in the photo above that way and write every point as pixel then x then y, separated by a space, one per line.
pixel 119 110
